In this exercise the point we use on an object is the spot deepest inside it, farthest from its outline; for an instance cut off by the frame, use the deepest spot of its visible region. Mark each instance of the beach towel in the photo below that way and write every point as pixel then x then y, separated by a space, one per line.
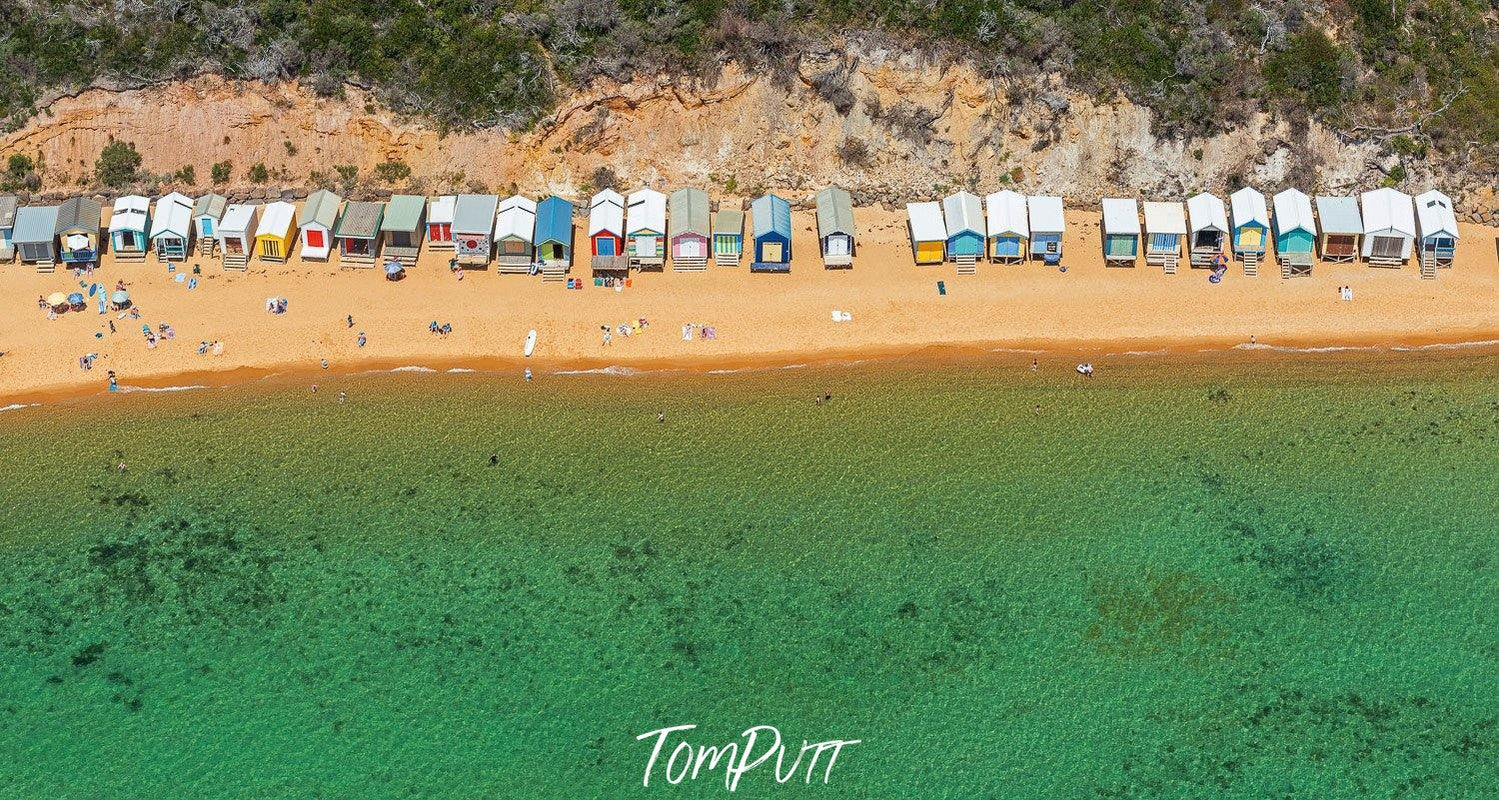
pixel 181 276
pixel 686 333
pixel 192 284
pixel 941 288
pixel 710 333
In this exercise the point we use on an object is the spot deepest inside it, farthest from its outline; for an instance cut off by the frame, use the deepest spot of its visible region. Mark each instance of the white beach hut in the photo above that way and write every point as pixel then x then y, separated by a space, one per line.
pixel 1339 228
pixel 606 234
pixel 319 216
pixel 1048 224
pixel 440 222
pixel 1009 226
pixel 1165 227
pixel 645 228
pixel 237 234
pixel 1121 230
pixel 1389 227
pixel 1207 227
pixel 928 232
pixel 207 211
pixel 1295 232
pixel 172 227
pixel 1436 229
pixel 515 235
pixel 128 234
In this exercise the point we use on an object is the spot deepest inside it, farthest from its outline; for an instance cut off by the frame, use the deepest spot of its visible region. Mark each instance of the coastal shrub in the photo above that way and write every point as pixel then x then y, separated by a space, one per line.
pixel 19 166
pixel 118 164
pixel 854 152
pixel 348 176
pixel 220 172
pixel 291 149
pixel 187 175
pixel 1311 65
pixel 603 178
pixel 258 173
pixel 392 171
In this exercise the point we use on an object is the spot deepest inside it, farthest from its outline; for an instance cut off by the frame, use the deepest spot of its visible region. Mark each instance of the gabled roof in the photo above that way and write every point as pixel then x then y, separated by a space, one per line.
pixel 277 219
pixel 210 205
pixel 1165 218
pixel 35 224
pixel 403 212
pixel 1046 214
pixel 963 212
pixel 321 209
pixel 1339 215
pixel 606 213
pixel 730 221
pixel 129 214
pixel 1293 211
pixel 1434 214
pixel 554 221
pixel 1121 215
pixel 8 205
pixel 835 212
pixel 440 210
pixel 1249 208
pixel 236 218
pixel 689 212
pixel 1007 214
pixel 645 211
pixel 516 219
pixel 926 222
pixel 771 214
pixel 360 221
pixel 474 213
pixel 1207 213
pixel 1388 210
pixel 79 214
pixel 173 216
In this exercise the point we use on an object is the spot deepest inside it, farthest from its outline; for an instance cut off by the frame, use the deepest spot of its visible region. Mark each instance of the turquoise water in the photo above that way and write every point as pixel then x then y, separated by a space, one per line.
pixel 1175 580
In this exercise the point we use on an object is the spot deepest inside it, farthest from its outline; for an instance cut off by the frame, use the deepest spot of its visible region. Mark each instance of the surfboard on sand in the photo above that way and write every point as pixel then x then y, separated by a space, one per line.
pixel 530 343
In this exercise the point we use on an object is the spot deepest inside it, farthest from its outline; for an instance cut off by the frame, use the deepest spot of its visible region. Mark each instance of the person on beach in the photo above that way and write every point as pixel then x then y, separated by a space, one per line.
pixel 325 363
pixel 494 459
pixel 1034 364
pixel 111 326
pixel 343 396
pixel 361 339
pixel 351 320
pixel 660 418
pixel 41 302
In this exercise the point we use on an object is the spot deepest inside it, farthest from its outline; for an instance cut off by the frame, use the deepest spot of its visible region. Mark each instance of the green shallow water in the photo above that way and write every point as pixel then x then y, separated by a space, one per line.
pixel 1176 580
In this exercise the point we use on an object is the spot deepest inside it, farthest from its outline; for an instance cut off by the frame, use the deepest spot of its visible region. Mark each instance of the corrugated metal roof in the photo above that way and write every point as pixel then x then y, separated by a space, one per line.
pixel 1207 213
pixel 474 213
pixel 1434 214
pixel 1339 215
pixel 1121 215
pixel 689 212
pixel 79 214
pixel 173 216
pixel 771 214
pixel 1388 210
pixel 1249 207
pixel 963 212
pixel 1293 210
pixel 607 196
pixel 403 212
pixel 129 213
pixel 835 212
pixel 237 219
pixel 211 205
pixel 645 211
pixel 516 219
pixel 1046 214
pixel 440 210
pixel 321 209
pixel 361 221
pixel 35 224
pixel 606 212
pixel 554 221
pixel 277 219
pixel 8 205
pixel 1007 214
pixel 926 222
pixel 729 220
pixel 1165 218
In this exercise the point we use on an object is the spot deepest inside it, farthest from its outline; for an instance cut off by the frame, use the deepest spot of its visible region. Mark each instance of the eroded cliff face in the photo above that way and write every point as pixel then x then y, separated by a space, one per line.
pixel 888 125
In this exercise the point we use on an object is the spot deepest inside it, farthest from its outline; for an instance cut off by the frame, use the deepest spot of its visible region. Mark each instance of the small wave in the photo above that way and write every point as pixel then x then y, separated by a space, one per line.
pixel 1022 351
pixel 615 370
pixel 1161 352
pixel 159 389
pixel 413 369
pixel 739 370
pixel 18 406
pixel 1446 346
pixel 460 370
pixel 1332 348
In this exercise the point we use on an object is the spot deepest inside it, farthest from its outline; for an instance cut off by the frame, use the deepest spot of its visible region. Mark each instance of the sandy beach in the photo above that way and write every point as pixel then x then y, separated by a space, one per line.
pixel 759 319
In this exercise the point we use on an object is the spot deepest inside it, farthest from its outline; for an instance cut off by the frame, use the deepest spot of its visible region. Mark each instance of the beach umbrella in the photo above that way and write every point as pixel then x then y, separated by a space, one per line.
pixel 57 299
pixel 77 241
pixel 75 299
pixel 394 268
pixel 120 297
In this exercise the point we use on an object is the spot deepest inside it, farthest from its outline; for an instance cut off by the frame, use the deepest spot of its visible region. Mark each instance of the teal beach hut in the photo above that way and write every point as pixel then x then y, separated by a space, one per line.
pixel 771 217
pixel 1121 230
pixel 1295 232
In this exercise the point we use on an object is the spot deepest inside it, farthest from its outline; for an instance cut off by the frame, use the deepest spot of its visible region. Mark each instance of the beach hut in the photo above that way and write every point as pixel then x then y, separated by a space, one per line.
pixel 1047 223
pixel 401 228
pixel 515 235
pixel 835 227
pixel 1389 227
pixel 1339 228
pixel 1295 232
pixel 237 234
pixel 8 205
pixel 728 237
pixel 771 217
pixel 172 227
pixel 554 237
pixel 319 216
pixel 277 231
pixel 1121 230
pixel 207 211
pixel 688 219
pixel 1008 224
pixel 1165 227
pixel 129 224
pixel 440 222
pixel 34 236
pixel 1251 227
pixel 1207 228
pixel 645 228
pixel 928 232
pixel 78 221
pixel 606 234
pixel 473 228
pixel 1436 228
pixel 358 234
pixel 963 216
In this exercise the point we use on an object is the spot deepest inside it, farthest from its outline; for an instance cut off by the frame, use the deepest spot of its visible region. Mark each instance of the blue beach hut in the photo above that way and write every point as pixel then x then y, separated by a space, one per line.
pixel 963 216
pixel 554 235
pixel 771 217
pixel 1251 220
pixel 1121 230
pixel 1009 226
pixel 1047 223
pixel 1295 232
pixel 1436 225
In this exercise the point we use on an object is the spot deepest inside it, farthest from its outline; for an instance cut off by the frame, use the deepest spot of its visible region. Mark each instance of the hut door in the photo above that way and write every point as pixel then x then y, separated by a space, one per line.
pixel 1251 237
pixel 771 252
pixel 604 245
pixel 1386 247
pixel 692 248
pixel 314 237
pixel 645 247
pixel 234 245
pixel 838 246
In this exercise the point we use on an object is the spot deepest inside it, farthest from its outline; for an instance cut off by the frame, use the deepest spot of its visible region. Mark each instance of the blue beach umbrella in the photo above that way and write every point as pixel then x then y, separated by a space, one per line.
pixel 75 298
pixel 120 297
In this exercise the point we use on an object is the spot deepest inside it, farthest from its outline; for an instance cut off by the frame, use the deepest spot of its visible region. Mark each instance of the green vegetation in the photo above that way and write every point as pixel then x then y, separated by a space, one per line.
pixel 258 173
pixel 221 171
pixel 1203 65
pixel 20 173
pixel 392 171
pixel 118 164
pixel 187 175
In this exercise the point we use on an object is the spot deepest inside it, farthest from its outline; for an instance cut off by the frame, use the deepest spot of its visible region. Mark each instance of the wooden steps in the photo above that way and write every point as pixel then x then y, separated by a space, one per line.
pixel 554 272
pixel 967 265
pixel 1251 265
pixel 130 255
pixel 725 260
pixel 46 266
pixel 1169 265
pixel 689 264
pixel 237 262
pixel 1428 266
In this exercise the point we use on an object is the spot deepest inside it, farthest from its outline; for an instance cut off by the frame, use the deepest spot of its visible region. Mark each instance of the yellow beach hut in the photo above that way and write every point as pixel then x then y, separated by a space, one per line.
pixel 277 231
